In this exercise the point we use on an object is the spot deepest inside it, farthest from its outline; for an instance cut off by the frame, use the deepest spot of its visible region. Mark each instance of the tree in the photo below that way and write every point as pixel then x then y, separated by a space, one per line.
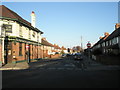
pixel 78 48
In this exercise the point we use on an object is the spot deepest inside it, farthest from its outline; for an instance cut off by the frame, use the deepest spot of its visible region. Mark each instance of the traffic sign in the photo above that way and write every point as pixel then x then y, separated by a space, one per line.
pixel 89 45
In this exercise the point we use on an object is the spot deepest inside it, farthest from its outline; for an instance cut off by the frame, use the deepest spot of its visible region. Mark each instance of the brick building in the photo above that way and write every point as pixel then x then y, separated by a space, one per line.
pixel 108 47
pixel 0 51
pixel 46 48
pixel 20 39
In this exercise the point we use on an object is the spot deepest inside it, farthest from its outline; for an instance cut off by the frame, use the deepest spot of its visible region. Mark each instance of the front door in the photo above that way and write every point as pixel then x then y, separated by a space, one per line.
pixel 7 51
pixel 27 54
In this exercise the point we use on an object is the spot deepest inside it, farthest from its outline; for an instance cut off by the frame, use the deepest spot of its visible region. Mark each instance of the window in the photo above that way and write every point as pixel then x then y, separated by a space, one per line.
pixel 8 28
pixel 117 39
pixel 114 41
pixel 20 30
pixel 106 43
pixel 20 49
pixel 38 37
pixel 33 34
pixel 109 42
pixel 29 34
pixel 103 44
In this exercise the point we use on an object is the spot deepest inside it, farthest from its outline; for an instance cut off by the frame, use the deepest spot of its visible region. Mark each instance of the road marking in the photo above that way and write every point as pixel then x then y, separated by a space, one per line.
pixel 51 68
pixel 69 65
pixel 78 69
pixel 60 68
pixel 69 68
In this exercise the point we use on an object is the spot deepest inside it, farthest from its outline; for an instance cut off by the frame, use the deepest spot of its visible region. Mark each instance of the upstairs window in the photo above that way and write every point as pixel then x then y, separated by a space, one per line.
pixel 110 42
pixel 8 28
pixel 106 43
pixel 34 34
pixel 103 44
pixel 38 37
pixel 117 39
pixel 20 31
pixel 29 34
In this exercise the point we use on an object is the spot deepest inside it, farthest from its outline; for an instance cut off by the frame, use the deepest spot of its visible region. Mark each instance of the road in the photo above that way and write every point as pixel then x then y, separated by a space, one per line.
pixel 63 73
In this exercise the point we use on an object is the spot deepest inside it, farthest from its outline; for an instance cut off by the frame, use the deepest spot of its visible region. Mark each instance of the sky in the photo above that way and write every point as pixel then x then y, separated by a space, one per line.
pixel 64 23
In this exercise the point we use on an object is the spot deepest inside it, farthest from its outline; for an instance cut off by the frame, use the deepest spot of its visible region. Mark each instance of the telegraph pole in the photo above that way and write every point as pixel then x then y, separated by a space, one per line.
pixel 81 44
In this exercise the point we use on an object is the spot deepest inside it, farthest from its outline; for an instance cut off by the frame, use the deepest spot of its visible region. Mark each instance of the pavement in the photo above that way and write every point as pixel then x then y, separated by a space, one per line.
pixel 15 66
pixel 21 65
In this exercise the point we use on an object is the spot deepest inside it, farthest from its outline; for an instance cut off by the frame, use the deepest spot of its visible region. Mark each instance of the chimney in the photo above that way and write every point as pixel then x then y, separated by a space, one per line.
pixel 117 26
pixel 33 19
pixel 106 34
pixel 44 39
pixel 100 37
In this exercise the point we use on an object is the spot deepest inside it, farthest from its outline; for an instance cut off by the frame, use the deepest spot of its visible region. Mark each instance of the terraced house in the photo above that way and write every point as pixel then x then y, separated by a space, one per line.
pixel 20 40
pixel 46 48
pixel 108 47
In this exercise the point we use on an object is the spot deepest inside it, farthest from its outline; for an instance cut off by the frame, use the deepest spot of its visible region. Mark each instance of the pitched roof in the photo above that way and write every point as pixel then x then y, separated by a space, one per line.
pixel 115 33
pixel 9 14
pixel 46 43
pixel 63 48
pixel 56 46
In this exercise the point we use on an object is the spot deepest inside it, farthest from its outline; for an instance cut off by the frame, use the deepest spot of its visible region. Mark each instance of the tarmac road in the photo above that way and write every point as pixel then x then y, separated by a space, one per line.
pixel 63 73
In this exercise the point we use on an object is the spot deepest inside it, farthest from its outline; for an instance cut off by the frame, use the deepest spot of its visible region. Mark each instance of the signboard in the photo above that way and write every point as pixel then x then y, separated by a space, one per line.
pixel 27 46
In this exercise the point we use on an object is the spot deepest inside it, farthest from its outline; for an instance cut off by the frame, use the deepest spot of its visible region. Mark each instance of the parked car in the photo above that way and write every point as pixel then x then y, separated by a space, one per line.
pixel 68 55
pixel 78 56
pixel 56 52
pixel 63 55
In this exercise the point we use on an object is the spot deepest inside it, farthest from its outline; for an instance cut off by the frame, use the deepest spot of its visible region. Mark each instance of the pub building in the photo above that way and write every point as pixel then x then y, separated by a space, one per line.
pixel 20 40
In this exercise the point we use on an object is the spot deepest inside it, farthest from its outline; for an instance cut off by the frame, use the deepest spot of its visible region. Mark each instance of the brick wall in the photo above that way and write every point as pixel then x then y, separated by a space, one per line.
pixel 55 56
pixel 109 60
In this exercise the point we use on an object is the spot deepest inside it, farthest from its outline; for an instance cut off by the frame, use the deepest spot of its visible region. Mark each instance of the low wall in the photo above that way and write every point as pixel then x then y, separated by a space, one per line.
pixel 107 59
pixel 55 56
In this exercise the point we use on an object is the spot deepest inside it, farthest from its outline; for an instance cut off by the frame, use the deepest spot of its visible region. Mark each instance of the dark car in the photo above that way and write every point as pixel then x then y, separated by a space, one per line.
pixel 68 55
pixel 78 56
pixel 63 55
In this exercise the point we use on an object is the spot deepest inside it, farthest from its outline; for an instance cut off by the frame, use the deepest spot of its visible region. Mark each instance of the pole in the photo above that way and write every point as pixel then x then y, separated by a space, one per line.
pixel 81 44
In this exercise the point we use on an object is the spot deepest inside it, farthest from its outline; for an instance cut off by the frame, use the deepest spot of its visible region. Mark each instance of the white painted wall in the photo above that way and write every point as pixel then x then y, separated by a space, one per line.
pixel 25 31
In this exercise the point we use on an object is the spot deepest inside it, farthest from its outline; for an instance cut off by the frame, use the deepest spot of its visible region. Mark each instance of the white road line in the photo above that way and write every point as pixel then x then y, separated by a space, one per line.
pixel 78 69
pixel 60 68
pixel 51 68
pixel 69 68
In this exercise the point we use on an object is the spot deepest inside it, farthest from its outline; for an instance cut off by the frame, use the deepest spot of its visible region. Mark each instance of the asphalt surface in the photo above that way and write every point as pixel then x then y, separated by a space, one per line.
pixel 63 73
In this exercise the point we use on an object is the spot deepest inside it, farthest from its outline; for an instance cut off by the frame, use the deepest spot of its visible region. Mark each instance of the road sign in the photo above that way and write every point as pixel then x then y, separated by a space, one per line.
pixel 89 45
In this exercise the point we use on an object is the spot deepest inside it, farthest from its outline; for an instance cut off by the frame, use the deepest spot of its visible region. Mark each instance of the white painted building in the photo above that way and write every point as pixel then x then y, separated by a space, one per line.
pixel 19 33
